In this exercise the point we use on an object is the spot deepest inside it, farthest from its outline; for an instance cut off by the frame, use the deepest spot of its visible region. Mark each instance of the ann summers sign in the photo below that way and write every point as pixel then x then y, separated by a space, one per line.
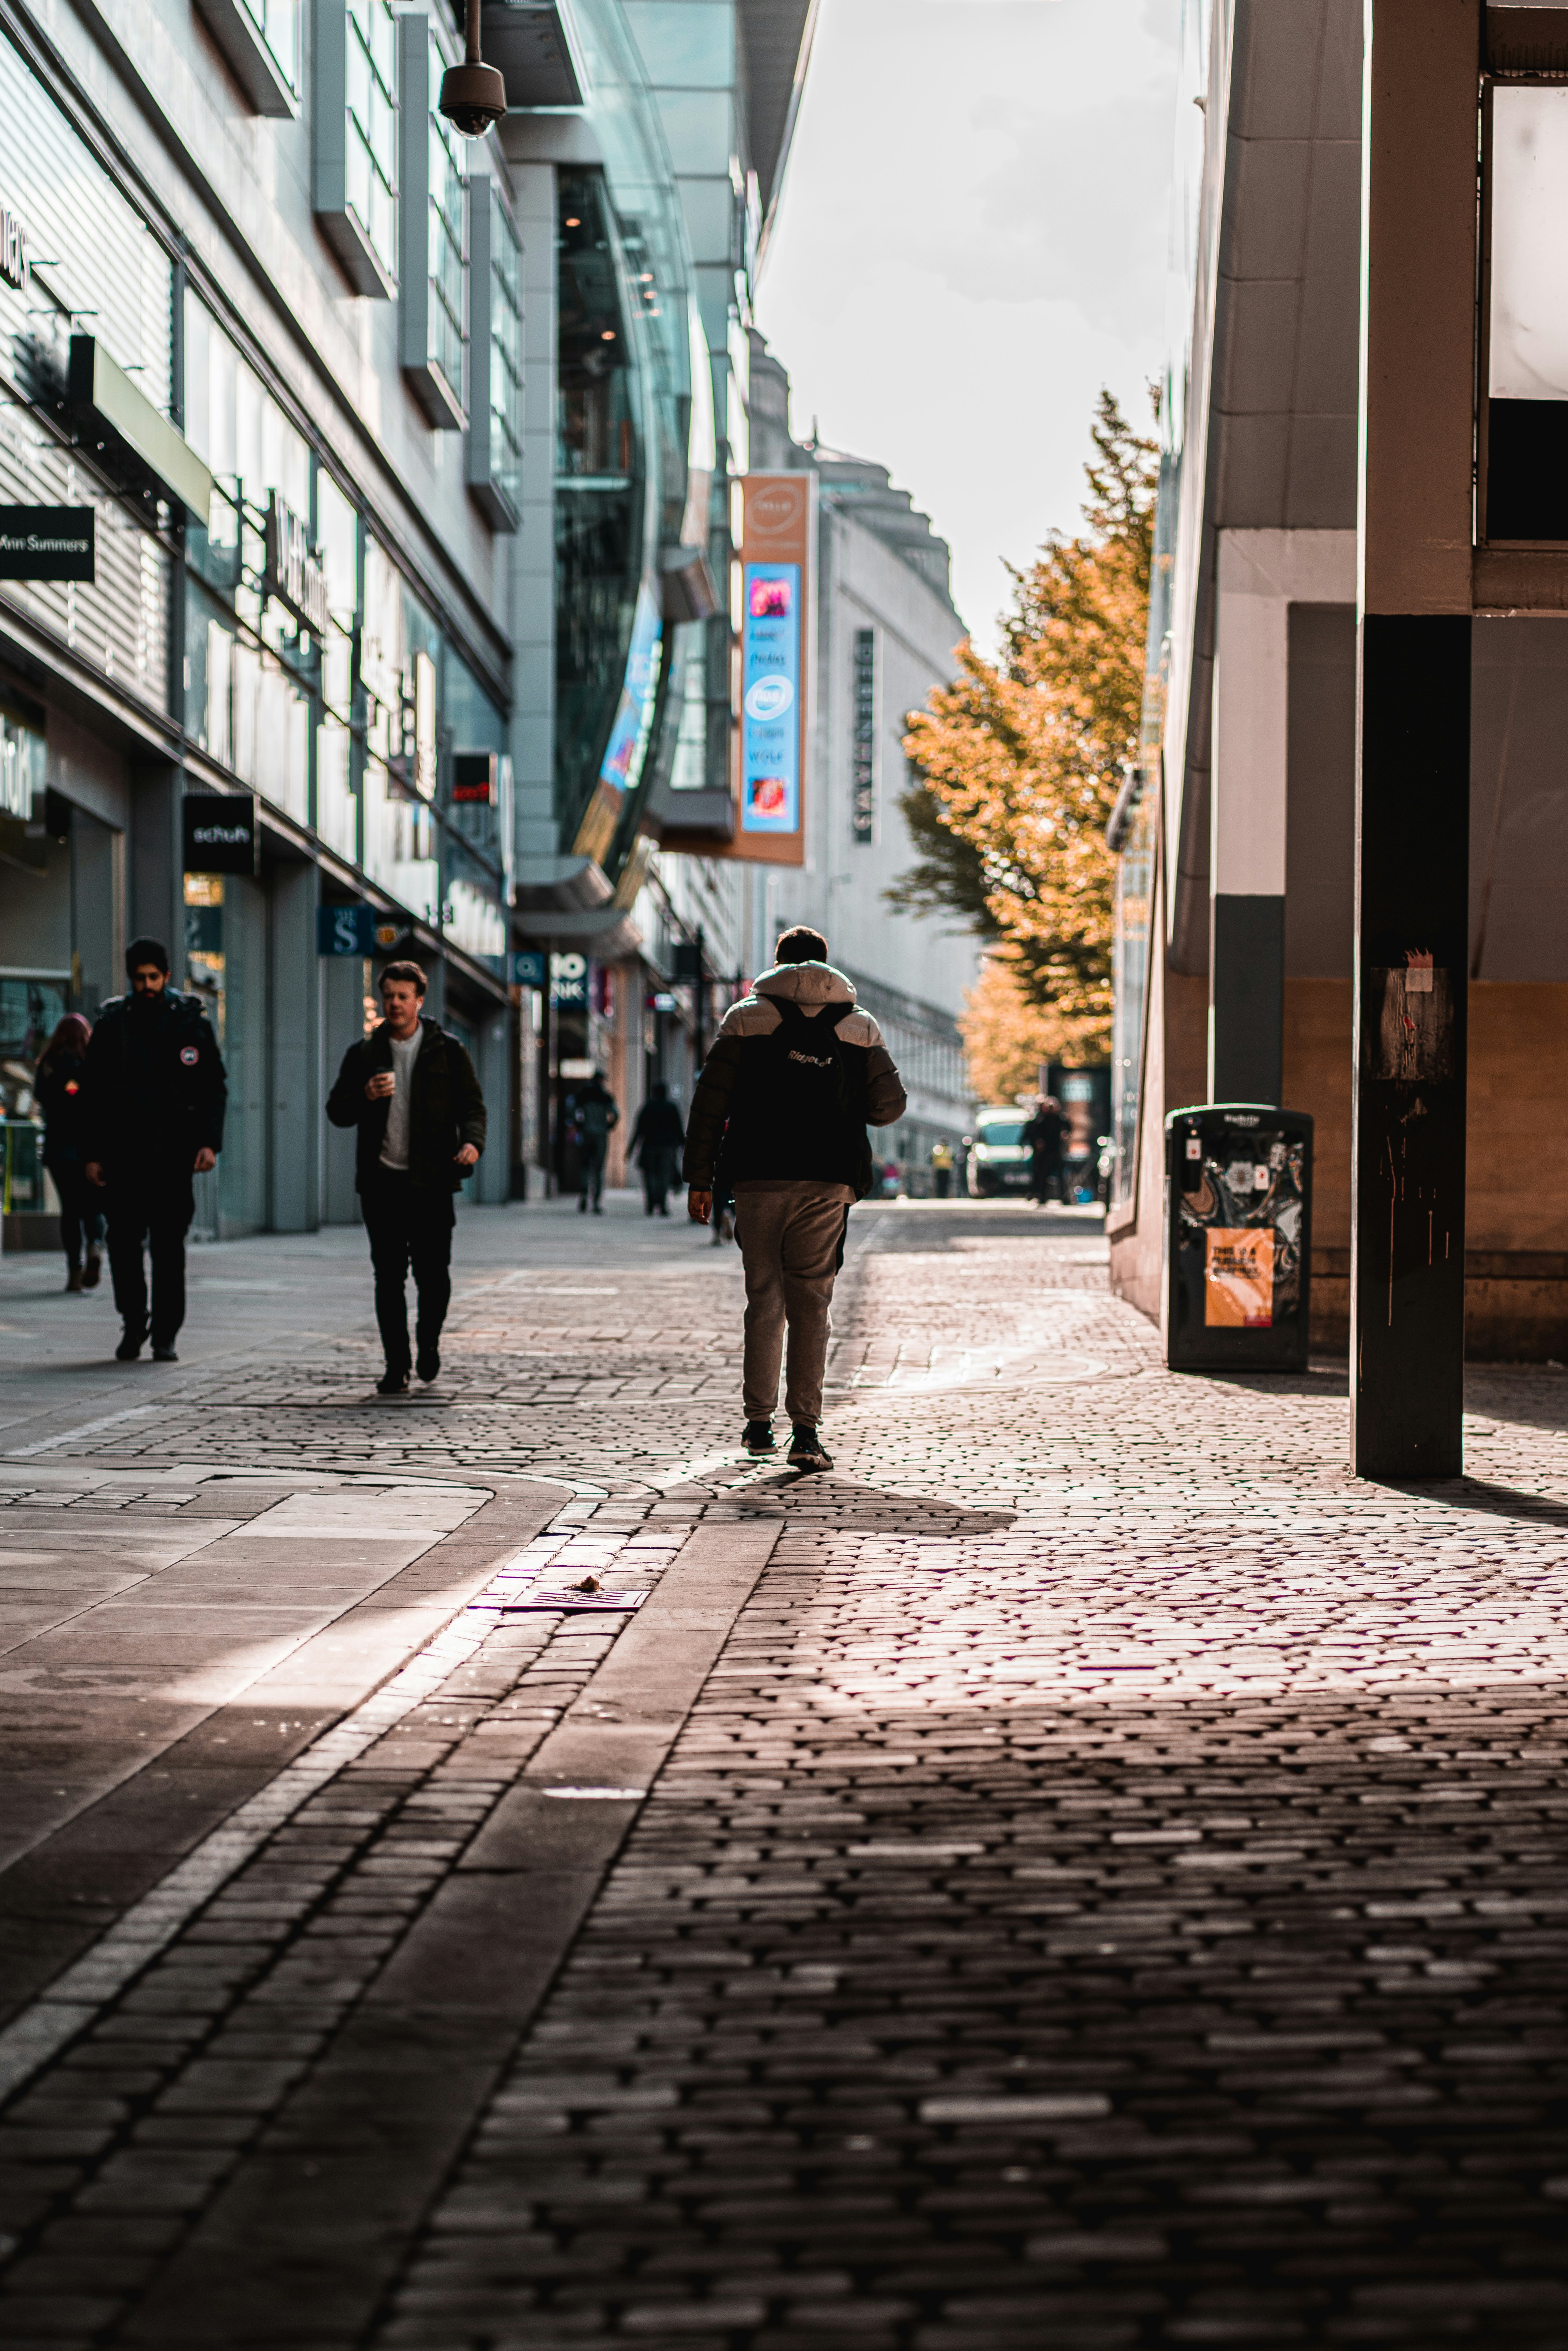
pixel 221 834
pixel 47 543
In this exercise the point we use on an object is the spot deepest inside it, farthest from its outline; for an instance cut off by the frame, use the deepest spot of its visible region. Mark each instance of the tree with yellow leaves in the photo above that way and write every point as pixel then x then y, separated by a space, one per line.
pixel 1018 765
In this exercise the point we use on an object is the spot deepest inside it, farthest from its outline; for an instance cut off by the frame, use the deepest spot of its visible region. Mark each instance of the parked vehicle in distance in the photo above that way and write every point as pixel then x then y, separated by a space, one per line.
pixel 1000 1159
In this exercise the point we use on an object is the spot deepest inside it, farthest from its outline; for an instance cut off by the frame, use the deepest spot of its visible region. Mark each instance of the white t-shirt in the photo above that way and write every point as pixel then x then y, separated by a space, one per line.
pixel 394 1150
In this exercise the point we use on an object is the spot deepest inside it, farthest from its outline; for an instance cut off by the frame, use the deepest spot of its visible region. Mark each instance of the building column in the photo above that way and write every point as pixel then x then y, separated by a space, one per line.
pixel 1259 574
pixel 296 1027
pixel 1418 258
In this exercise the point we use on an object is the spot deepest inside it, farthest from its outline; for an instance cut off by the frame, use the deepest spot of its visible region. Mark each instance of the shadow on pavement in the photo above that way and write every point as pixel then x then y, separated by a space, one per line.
pixel 841 1502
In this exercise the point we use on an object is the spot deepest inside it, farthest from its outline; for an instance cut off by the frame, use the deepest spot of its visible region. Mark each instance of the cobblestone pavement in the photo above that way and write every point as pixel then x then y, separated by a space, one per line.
pixel 1088 1872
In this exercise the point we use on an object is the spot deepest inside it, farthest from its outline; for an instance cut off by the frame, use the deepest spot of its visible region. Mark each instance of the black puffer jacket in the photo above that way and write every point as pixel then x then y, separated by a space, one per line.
pixel 796 1075
pixel 445 1111
pixel 153 1086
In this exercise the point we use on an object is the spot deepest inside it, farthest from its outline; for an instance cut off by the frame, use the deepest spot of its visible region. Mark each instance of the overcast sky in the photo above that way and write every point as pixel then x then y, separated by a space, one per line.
pixel 972 240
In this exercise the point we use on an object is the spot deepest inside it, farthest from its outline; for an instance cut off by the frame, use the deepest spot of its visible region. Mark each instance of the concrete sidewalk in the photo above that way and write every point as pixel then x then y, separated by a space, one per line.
pixel 1088 1871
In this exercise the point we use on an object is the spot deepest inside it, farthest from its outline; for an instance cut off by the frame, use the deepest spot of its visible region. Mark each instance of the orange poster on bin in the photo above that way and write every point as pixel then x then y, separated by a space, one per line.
pixel 1238 1277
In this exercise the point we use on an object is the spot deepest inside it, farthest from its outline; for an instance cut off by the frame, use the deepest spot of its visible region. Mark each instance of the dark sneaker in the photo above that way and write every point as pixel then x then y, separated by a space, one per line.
pixel 392 1383
pixel 427 1364
pixel 807 1451
pixel 757 1437
pixel 164 1355
pixel 92 1270
pixel 128 1350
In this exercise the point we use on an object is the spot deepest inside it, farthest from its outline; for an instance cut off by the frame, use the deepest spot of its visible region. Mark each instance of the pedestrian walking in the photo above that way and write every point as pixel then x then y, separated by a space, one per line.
pixel 57 1087
pixel 410 1089
pixel 1043 1132
pixel 593 1112
pixel 657 1139
pixel 779 1118
pixel 155 1093
pixel 942 1168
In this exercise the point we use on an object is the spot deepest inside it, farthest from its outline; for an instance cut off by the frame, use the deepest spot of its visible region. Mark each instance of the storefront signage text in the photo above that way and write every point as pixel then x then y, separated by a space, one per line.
pixel 48 543
pixel 293 573
pixel 12 249
pixel 221 832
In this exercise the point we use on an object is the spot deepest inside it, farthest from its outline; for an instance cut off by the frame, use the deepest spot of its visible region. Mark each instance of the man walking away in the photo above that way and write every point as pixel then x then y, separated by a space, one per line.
pixel 410 1089
pixel 656 1142
pixel 942 1168
pixel 58 1083
pixel 155 1093
pixel 594 1112
pixel 780 1117
pixel 1043 1135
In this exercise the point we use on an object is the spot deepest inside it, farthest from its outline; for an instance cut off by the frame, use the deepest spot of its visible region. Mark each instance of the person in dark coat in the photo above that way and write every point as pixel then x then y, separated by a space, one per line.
pixel 657 1141
pixel 155 1094
pixel 1043 1135
pixel 57 1085
pixel 779 1119
pixel 410 1089
pixel 594 1115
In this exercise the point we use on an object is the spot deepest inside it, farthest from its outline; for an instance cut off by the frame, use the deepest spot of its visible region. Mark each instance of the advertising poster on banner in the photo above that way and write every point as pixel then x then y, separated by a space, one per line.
pixel 777 645
pixel 1239 1277
pixel 621 770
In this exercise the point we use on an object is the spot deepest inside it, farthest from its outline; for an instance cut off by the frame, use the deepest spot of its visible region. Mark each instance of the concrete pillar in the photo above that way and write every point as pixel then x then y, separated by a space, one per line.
pixel 1418 300
pixel 1260 575
pixel 296 1091
pixel 493 1181
pixel 343 1023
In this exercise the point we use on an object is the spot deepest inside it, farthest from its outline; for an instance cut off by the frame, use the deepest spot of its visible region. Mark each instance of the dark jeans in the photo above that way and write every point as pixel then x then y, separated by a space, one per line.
pixel 590 1153
pixel 150 1212
pixel 410 1232
pixel 81 1211
pixel 658 1177
pixel 1046 1180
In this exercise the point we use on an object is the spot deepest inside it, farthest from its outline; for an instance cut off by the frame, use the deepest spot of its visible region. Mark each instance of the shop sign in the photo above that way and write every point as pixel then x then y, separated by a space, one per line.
pixel 474 778
pixel 345 930
pixel 13 249
pixel 222 832
pixel 293 572
pixel 48 543
pixel 568 979
pixel 527 968
pixel 776 624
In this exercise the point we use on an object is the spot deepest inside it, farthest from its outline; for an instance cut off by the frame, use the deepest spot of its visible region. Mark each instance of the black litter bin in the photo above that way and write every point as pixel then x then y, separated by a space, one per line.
pixel 1238 1237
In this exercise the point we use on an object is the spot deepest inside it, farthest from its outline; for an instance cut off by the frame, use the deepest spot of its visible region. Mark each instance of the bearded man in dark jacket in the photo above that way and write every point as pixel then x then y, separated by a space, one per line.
pixel 410 1089
pixel 153 1096
pixel 796 1075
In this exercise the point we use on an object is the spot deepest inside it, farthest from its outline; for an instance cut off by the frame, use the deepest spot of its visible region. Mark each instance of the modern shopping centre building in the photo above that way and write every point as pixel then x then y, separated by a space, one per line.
pixel 369 580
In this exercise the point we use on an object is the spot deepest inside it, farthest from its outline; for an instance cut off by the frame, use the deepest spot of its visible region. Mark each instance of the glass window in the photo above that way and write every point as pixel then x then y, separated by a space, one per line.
pixel 448 246
pixel 372 125
pixel 688 43
pixel 277 23
pixel 505 355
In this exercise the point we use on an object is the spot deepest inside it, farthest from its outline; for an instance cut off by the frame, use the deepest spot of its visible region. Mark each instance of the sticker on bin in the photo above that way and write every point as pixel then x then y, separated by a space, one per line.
pixel 1238 1277
pixel 1194 1147
pixel 557 1603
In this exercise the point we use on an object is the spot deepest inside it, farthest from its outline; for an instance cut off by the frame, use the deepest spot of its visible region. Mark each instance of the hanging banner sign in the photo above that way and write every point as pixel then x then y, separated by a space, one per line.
pixel 48 543
pixel 777 648
pixel 346 930
pixel 222 833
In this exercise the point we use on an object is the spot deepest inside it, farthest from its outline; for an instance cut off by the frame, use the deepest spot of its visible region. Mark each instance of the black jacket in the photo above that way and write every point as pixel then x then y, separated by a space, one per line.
pixel 446 1109
pixel 154 1090
pixel 742 1126
pixel 63 1101
pixel 658 1128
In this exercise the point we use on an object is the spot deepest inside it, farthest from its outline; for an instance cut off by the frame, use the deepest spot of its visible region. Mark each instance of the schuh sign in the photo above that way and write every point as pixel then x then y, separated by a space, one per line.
pixel 223 835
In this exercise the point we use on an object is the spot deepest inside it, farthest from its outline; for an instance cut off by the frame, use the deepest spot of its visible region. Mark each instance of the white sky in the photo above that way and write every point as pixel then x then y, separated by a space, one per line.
pixel 972 240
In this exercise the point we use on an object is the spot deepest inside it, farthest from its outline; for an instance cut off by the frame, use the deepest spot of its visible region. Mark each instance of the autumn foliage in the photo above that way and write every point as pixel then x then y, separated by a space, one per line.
pixel 1018 765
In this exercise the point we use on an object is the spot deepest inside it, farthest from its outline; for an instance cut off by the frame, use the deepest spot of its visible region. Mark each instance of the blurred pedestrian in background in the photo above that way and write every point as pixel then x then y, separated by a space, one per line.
pixel 779 1116
pixel 594 1113
pixel 410 1089
pixel 657 1141
pixel 58 1084
pixel 1043 1135
pixel 156 1093
pixel 942 1168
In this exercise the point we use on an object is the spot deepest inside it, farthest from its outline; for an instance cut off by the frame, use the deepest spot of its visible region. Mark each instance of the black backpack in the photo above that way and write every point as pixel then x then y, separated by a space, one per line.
pixel 798 1111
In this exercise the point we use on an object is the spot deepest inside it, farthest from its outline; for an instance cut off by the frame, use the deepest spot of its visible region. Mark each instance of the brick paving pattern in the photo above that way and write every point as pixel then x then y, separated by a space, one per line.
pixel 1108 1892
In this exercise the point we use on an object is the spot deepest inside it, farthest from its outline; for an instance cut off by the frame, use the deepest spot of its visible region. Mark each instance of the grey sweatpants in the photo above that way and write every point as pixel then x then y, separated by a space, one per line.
pixel 789 1246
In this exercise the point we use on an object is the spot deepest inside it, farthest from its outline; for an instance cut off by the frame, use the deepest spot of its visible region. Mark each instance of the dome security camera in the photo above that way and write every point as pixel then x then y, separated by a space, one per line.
pixel 473 95
pixel 472 98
